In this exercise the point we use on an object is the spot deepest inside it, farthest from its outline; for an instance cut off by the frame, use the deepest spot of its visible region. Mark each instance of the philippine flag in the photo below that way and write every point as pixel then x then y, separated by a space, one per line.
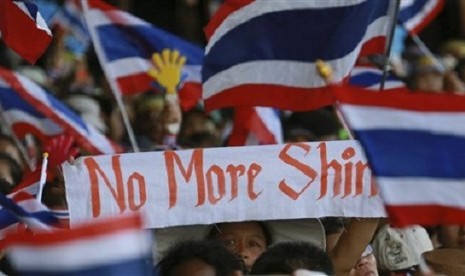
pixel 28 108
pixel 415 145
pixel 23 29
pixel 112 247
pixel 125 44
pixel 263 53
pixel 415 15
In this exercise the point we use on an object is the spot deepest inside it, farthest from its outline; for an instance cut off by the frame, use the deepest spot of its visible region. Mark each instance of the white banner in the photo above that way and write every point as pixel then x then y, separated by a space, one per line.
pixel 204 186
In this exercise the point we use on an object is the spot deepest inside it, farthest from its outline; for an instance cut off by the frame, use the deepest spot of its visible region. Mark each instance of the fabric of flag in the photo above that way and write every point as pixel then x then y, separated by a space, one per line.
pixel 23 29
pixel 263 53
pixel 71 18
pixel 112 247
pixel 415 145
pixel 371 78
pixel 28 108
pixel 125 44
pixel 256 126
pixel 22 207
pixel 415 15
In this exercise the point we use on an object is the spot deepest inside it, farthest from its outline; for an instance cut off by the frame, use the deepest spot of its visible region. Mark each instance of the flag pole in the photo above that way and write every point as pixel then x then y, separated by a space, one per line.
pixel 394 11
pixel 422 46
pixel 114 87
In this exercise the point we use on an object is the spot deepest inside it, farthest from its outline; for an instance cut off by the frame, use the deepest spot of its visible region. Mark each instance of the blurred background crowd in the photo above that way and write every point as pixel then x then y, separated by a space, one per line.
pixel 73 74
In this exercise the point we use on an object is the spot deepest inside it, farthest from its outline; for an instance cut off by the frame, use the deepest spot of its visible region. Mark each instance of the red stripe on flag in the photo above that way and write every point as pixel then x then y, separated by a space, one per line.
pixel 404 215
pixel 400 98
pixel 283 97
pixel 86 231
pixel 21 33
pixel 373 46
pixel 133 84
pixel 224 11
pixel 428 18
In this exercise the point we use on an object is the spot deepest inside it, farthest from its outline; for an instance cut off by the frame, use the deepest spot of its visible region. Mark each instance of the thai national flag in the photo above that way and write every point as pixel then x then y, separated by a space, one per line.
pixel 263 53
pixel 256 126
pixel 415 145
pixel 27 108
pixel 23 29
pixel 414 15
pixel 112 247
pixel 25 208
pixel 125 45
pixel 371 78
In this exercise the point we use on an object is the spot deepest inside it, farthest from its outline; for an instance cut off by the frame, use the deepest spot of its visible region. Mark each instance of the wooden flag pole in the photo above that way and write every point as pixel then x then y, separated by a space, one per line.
pixel 395 5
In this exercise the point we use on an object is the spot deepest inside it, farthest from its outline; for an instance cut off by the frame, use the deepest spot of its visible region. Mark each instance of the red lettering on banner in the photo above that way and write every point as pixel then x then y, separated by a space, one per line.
pixel 325 166
pixel 211 185
pixel 252 173
pixel 234 173
pixel 343 171
pixel 305 169
pixel 196 164
pixel 221 185
pixel 117 191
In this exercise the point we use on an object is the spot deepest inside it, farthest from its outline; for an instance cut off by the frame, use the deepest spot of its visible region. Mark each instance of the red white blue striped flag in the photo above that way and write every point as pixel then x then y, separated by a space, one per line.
pixel 23 29
pixel 415 15
pixel 117 246
pixel 263 53
pixel 415 145
pixel 28 108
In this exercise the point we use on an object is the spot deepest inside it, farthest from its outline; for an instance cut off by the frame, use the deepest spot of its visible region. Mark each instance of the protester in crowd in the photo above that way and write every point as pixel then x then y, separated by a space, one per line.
pixel 398 251
pixel 287 257
pixel 10 173
pixel 198 129
pixel 198 258
pixel 366 265
pixel 246 240
pixel 334 227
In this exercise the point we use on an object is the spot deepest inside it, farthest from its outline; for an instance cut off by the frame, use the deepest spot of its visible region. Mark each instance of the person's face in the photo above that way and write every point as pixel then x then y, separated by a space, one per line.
pixel 366 266
pixel 246 240
pixel 452 236
pixel 194 267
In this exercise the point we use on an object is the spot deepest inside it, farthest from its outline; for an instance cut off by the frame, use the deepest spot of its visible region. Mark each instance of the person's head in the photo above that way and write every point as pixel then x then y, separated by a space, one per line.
pixel 286 257
pixel 246 240
pixel 366 265
pixel 316 125
pixel 451 236
pixel 10 173
pixel 198 258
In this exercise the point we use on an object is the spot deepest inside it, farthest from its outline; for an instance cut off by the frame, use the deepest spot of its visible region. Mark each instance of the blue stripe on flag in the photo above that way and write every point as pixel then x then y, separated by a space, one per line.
pixel 407 13
pixel 7 218
pixel 367 79
pixel 10 100
pixel 143 41
pixel 43 216
pixel 402 153
pixel 300 35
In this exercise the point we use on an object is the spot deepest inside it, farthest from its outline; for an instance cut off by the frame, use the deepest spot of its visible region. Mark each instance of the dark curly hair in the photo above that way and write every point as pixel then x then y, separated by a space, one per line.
pixel 210 252
pixel 286 257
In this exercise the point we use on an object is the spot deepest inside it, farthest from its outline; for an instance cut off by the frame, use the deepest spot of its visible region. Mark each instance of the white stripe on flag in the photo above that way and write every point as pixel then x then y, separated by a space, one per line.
pixel 421 191
pixel 45 125
pixel 366 118
pixel 100 18
pixel 261 7
pixel 81 253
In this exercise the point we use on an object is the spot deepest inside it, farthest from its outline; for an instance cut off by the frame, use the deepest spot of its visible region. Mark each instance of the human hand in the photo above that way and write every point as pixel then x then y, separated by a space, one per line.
pixel 167 69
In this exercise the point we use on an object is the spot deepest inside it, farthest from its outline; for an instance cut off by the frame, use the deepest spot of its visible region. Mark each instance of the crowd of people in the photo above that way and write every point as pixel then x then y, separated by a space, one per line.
pixel 349 246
